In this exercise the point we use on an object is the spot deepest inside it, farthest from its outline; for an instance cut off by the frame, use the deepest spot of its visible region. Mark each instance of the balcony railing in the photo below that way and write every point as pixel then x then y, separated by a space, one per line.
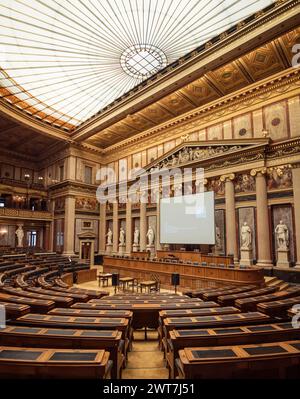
pixel 24 213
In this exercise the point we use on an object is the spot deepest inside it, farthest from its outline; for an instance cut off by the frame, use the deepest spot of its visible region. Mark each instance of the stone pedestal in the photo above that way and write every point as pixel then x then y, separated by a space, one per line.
pixel 135 248
pixel 246 257
pixel 122 249
pixel 151 249
pixel 109 248
pixel 283 258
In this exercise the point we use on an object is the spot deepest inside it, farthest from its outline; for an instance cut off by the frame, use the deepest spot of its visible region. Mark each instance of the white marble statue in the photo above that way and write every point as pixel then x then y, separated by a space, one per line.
pixel 109 236
pixel 246 236
pixel 282 236
pixel 150 236
pixel 136 238
pixel 20 235
pixel 218 238
pixel 122 236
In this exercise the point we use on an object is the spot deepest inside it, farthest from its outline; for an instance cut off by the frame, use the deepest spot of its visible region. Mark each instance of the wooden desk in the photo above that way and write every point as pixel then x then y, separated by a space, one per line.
pixel 191 276
pixel 180 339
pixel 148 284
pixel 53 363
pixel 14 310
pixel 278 360
pixel 103 278
pixel 227 300
pixel 278 308
pixel 124 282
pixel 37 337
pixel 144 314
pixel 194 256
pixel 248 304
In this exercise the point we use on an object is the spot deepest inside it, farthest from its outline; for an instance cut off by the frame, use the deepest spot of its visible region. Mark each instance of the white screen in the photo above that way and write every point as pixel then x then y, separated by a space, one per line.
pixel 189 219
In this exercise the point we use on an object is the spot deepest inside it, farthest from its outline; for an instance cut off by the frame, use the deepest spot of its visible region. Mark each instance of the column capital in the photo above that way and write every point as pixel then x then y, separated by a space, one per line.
pixel 258 172
pixel 226 178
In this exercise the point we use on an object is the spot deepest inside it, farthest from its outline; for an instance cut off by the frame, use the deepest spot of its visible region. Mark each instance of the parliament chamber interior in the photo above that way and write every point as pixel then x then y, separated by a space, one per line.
pixel 149 190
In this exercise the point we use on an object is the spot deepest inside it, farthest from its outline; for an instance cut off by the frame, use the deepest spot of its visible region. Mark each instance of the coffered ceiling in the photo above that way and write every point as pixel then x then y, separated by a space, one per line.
pixel 269 59
pixel 252 50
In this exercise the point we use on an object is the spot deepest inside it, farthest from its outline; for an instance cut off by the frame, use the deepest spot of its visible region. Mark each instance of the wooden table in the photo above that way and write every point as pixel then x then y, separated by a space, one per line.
pixel 148 284
pixel 103 277
pixel 124 281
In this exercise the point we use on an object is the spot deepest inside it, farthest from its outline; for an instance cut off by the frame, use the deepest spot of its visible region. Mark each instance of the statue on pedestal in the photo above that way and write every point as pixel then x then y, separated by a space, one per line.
pixel 20 235
pixel 246 236
pixel 218 238
pixel 122 236
pixel 136 238
pixel 282 236
pixel 109 236
pixel 150 236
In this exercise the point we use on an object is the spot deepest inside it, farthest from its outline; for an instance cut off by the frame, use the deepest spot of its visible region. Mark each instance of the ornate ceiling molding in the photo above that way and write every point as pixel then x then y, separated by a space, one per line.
pixel 251 96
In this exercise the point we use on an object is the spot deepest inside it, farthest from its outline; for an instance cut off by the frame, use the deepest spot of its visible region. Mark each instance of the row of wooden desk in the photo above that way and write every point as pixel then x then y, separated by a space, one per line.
pixel 190 275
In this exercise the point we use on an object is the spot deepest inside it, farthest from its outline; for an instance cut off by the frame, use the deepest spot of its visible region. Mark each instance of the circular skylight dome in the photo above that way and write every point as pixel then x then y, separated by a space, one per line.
pixel 64 61
pixel 141 60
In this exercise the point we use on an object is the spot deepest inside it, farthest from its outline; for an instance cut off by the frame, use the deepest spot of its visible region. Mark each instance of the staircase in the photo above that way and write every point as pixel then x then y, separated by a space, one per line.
pixel 276 282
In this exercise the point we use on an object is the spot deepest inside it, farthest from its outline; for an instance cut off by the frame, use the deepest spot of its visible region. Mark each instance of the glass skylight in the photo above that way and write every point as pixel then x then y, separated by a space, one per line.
pixel 65 60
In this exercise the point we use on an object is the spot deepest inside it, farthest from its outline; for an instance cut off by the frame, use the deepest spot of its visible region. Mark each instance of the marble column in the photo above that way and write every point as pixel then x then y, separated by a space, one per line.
pixel 51 233
pixel 296 188
pixel 263 225
pixel 143 226
pixel 46 234
pixel 69 231
pixel 128 248
pixel 231 238
pixel 102 229
pixel 158 244
pixel 115 248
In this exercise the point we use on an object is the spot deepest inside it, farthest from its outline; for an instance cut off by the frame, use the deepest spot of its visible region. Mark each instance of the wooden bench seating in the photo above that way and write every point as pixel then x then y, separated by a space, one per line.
pixel 26 363
pixel 278 308
pixel 228 300
pixel 14 310
pixel 212 296
pixel 250 304
pixel 253 334
pixel 60 283
pixel 23 280
pixel 58 300
pixel 75 322
pixel 269 360
pixel 75 297
pixel 36 305
pixel 212 321
pixel 37 337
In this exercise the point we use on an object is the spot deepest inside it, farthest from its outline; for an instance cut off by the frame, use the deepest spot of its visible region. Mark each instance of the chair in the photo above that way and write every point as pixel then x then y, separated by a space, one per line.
pixel 134 284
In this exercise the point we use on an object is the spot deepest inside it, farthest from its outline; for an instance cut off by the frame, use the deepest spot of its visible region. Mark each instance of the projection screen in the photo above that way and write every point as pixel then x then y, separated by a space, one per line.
pixel 188 219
